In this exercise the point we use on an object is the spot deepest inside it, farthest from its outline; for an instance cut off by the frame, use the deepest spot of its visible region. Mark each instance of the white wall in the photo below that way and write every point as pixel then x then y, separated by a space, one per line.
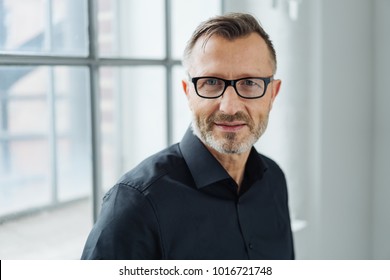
pixel 330 127
pixel 346 129
pixel 381 114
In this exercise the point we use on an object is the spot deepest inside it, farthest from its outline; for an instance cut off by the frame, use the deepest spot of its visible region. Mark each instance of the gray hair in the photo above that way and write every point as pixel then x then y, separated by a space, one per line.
pixel 230 26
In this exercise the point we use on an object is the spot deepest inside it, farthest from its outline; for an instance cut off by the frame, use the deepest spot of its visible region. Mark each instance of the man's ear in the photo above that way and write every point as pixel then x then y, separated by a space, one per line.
pixel 186 87
pixel 275 87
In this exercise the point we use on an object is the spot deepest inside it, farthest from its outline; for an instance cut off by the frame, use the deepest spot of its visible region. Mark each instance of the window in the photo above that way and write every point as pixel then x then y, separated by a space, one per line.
pixel 44 110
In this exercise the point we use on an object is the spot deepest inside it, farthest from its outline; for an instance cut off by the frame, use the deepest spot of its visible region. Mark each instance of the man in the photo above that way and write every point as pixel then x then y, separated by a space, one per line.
pixel 212 196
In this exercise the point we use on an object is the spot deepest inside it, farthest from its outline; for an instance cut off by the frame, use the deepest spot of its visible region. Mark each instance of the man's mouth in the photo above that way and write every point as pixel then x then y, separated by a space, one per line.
pixel 230 126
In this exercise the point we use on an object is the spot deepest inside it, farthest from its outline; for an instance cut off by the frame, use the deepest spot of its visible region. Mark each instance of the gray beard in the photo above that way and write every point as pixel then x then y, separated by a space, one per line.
pixel 229 143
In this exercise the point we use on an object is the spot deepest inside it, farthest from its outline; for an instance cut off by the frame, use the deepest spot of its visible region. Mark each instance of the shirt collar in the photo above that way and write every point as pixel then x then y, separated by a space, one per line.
pixel 205 168
pixel 255 166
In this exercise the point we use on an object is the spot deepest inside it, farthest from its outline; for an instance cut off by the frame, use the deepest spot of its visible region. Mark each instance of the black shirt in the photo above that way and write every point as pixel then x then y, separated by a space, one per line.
pixel 182 204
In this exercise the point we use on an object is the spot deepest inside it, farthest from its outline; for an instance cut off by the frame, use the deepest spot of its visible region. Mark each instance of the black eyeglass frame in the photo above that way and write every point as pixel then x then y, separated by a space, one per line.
pixel 266 80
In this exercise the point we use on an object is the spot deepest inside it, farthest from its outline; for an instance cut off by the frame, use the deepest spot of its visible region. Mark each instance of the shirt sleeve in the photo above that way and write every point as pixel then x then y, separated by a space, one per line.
pixel 127 228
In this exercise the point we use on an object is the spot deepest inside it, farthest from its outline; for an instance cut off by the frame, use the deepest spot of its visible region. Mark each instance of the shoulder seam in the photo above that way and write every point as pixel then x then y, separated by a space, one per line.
pixel 142 187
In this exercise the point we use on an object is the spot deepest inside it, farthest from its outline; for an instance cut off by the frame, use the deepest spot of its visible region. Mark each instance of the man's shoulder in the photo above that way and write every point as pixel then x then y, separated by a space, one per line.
pixel 270 163
pixel 272 167
pixel 153 168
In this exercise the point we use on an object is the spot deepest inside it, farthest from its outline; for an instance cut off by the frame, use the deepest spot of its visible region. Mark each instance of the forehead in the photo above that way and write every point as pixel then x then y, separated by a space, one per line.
pixel 247 55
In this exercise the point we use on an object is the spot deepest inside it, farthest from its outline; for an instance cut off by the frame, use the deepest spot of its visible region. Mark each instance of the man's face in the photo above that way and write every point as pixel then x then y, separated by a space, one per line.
pixel 230 124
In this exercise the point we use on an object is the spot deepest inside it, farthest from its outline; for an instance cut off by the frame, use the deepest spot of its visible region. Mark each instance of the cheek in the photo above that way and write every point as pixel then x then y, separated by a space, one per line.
pixel 191 103
pixel 202 107
pixel 259 111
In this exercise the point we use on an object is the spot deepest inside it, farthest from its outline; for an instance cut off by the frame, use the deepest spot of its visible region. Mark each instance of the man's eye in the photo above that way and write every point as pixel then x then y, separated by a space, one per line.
pixel 249 83
pixel 211 82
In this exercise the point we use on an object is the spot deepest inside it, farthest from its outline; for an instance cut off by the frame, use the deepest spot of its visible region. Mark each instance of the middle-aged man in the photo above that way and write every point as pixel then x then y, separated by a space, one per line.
pixel 211 196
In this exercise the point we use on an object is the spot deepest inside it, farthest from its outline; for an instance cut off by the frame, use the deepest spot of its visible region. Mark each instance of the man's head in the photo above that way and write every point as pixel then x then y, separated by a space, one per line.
pixel 230 117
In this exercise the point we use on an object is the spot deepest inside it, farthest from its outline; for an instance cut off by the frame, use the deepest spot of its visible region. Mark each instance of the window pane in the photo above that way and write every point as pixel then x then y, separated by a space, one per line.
pixel 186 15
pixel 44 136
pixel 25 163
pixel 44 27
pixel 132 28
pixel 133 122
pixel 73 132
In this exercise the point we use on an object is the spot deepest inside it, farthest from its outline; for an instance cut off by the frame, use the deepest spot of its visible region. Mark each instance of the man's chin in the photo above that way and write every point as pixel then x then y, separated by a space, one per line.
pixel 228 144
pixel 225 142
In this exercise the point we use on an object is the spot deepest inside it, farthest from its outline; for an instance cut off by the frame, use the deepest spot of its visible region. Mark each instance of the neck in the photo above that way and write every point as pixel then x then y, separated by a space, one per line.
pixel 234 164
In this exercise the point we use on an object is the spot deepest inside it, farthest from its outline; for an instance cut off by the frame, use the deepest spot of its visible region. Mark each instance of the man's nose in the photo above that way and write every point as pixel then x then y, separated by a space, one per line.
pixel 230 102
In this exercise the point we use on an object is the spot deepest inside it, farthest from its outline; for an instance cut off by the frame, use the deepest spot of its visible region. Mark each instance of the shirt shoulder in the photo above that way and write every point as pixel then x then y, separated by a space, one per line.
pixel 153 168
pixel 271 164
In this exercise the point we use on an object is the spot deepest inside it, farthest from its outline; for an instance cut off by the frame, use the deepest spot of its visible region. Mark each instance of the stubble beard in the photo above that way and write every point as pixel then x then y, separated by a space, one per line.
pixel 229 143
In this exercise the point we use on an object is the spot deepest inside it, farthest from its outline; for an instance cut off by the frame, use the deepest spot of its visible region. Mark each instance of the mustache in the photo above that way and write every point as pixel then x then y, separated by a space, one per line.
pixel 221 117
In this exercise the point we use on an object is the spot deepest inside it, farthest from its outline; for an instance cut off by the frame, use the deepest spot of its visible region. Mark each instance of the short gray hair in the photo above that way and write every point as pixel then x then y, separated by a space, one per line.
pixel 230 26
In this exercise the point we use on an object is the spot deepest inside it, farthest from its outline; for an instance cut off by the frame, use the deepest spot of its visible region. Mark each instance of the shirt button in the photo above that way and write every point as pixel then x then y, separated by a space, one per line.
pixel 250 245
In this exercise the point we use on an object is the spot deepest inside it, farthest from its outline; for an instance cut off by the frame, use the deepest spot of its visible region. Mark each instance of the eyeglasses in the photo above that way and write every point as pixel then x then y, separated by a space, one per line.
pixel 249 87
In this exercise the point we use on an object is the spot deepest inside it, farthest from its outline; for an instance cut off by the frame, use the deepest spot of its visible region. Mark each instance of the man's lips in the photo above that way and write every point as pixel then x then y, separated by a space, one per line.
pixel 230 126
